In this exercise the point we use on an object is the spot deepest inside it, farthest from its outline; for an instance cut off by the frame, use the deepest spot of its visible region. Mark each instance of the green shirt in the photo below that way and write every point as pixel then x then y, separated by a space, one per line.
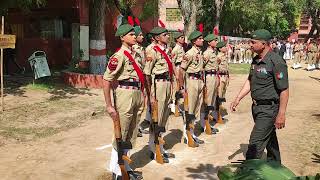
pixel 268 77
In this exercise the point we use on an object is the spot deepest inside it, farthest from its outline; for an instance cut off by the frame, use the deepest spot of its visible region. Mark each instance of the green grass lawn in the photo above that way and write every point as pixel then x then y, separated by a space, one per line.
pixel 239 68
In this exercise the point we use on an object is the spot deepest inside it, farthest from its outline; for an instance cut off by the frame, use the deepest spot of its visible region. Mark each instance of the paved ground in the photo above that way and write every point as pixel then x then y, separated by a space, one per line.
pixel 55 133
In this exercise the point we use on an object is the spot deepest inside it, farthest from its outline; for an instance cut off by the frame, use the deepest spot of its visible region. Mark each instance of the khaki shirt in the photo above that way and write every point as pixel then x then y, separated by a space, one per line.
pixel 140 50
pixel 119 66
pixel 156 63
pixel 177 54
pixel 223 66
pixel 237 47
pixel 210 59
pixel 313 48
pixel 193 61
pixel 297 48
pixel 301 47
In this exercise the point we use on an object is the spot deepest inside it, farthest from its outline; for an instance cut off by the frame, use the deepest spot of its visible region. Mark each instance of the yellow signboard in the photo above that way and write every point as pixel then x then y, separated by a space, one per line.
pixel 7 41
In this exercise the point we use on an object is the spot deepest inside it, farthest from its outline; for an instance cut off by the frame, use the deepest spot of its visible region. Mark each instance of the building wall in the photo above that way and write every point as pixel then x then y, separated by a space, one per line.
pixel 170 14
pixel 26 26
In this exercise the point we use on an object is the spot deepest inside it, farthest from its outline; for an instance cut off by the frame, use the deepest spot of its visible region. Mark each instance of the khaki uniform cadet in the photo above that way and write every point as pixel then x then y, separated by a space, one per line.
pixel 312 51
pixel 120 68
pixel 223 70
pixel 318 57
pixel 303 53
pixel 161 88
pixel 177 55
pixel 192 64
pixel 211 67
pixel 297 56
pixel 242 52
pixel 147 119
pixel 237 53
pixel 248 58
pixel 139 49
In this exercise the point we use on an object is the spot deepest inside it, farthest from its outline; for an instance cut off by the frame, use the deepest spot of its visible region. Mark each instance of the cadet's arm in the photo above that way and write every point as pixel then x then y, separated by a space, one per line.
pixel 181 75
pixel 148 85
pixel 106 92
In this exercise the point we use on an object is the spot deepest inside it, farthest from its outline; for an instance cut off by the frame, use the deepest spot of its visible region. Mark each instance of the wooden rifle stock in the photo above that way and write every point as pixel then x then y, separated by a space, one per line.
pixel 177 97
pixel 121 145
pixel 189 126
pixel 156 130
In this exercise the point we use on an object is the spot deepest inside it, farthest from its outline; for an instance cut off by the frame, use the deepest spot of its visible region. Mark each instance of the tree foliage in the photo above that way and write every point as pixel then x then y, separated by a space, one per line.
pixel 280 17
pixel 190 10
pixel 312 7
pixel 23 4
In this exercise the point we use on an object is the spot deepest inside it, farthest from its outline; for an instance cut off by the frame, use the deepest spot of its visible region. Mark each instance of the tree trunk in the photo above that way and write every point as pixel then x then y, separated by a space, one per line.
pixel 219 5
pixel 97 36
pixel 189 10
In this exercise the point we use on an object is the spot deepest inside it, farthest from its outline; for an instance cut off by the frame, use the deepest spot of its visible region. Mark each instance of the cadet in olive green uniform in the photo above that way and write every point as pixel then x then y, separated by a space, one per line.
pixel 192 65
pixel 161 87
pixel 125 71
pixel 268 84
pixel 211 66
pixel 312 52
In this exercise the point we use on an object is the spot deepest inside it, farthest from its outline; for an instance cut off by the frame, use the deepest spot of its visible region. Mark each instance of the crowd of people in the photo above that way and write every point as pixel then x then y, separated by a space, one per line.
pixel 301 53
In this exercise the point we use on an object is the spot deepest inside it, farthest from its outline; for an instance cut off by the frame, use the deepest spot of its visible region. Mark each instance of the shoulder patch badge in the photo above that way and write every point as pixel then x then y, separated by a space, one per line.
pixel 113 63
pixel 279 75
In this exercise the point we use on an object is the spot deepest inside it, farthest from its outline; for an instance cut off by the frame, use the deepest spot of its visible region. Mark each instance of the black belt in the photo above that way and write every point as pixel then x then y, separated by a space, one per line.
pixel 130 83
pixel 224 73
pixel 265 102
pixel 195 75
pixel 164 76
pixel 211 72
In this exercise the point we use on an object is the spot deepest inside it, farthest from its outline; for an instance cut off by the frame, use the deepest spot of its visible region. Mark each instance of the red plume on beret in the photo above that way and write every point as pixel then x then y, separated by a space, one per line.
pixel 201 27
pixel 180 30
pixel 130 20
pixel 224 38
pixel 137 21
pixel 216 31
pixel 161 24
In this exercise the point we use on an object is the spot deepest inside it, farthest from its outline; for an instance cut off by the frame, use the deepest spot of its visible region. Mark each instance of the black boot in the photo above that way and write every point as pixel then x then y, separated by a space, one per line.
pixel 134 175
pixel 165 159
pixel 197 140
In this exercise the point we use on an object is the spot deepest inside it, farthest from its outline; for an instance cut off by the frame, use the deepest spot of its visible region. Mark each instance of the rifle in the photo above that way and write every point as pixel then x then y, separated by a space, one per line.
pixel 188 117
pixel 178 96
pixel 218 103
pixel 156 128
pixel 121 145
pixel 206 108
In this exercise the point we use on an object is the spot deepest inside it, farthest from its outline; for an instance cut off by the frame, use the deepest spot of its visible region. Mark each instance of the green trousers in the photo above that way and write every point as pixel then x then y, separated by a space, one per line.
pixel 263 134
